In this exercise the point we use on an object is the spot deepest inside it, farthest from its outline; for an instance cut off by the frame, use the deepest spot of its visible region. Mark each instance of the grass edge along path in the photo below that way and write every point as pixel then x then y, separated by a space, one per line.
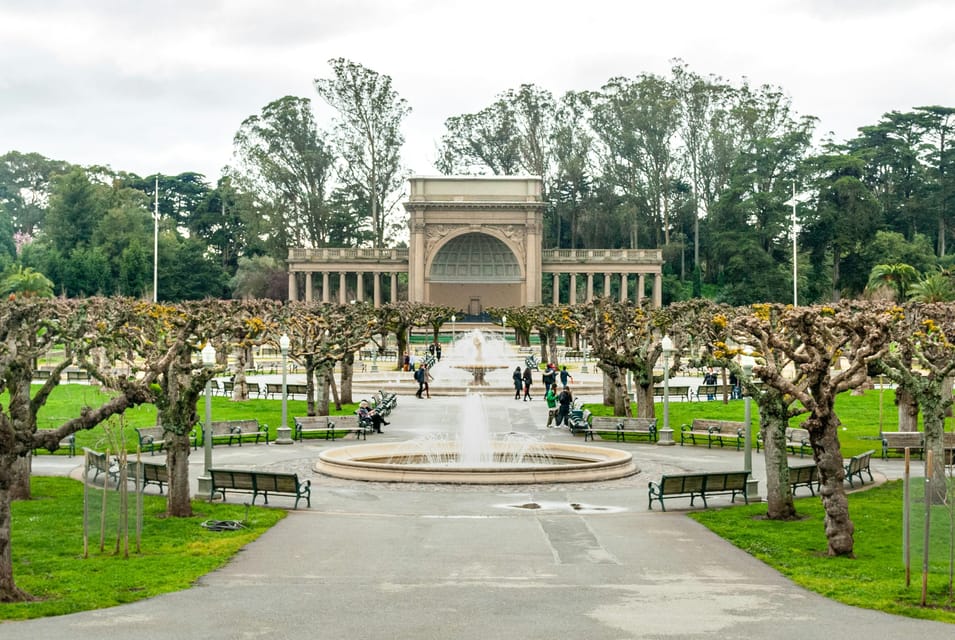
pixel 47 546
pixel 874 579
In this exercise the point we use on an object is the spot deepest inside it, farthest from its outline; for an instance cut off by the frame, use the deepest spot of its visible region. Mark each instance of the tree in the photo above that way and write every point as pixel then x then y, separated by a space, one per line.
pixel 816 339
pixel 284 159
pixel 897 277
pixel 29 328
pixel 322 335
pixel 168 339
pixel 367 135
pixel 624 337
pixel 25 187
pixel 25 282
pixel 925 334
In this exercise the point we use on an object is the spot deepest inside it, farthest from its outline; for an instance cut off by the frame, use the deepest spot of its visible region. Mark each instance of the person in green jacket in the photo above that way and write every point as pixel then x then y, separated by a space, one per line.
pixel 551 398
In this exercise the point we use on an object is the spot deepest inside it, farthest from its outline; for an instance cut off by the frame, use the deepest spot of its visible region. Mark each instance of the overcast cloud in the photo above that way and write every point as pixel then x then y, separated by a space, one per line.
pixel 163 86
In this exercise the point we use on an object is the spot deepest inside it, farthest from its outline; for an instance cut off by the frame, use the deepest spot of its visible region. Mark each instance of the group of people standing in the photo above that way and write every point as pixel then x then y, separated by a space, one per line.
pixel 559 403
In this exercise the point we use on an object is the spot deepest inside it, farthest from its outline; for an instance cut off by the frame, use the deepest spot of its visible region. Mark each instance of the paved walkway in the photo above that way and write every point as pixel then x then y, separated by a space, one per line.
pixel 372 560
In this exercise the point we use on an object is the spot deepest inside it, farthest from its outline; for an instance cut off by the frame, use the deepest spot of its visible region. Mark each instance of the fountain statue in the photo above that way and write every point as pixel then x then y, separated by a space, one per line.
pixel 473 359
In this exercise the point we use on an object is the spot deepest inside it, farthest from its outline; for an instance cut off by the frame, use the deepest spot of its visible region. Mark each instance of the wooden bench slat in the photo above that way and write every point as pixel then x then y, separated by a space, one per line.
pixel 260 483
pixel 621 426
pixel 711 431
pixel 699 485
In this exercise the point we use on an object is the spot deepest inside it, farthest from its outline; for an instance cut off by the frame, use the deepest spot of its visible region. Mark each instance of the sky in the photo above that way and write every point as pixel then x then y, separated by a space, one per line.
pixel 163 86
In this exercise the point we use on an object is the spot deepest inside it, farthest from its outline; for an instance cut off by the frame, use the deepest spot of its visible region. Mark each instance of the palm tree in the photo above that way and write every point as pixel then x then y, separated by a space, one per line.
pixel 898 276
pixel 934 287
pixel 25 282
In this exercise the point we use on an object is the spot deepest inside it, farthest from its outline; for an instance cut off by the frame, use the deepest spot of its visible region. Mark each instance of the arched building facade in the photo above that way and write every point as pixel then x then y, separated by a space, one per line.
pixel 475 242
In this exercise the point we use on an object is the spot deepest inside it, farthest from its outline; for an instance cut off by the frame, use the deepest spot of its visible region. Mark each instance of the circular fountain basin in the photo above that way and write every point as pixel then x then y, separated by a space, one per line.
pixel 407 462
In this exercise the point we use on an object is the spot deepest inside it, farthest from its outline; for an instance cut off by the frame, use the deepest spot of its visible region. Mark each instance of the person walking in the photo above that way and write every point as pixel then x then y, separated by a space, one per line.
pixel 419 376
pixel 550 375
pixel 428 379
pixel 564 401
pixel 518 383
pixel 551 398
pixel 565 376
pixel 528 381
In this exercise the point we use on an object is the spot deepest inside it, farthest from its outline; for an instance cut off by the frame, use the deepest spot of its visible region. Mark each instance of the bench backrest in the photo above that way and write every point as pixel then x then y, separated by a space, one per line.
pixel 226 427
pixel 902 439
pixel 682 483
pixel 273 388
pixel 305 422
pixel 283 482
pixel 154 472
pixel 156 433
pixel 859 462
pixel 726 481
pixel 723 426
pixel 796 434
pixel 296 389
pixel 344 422
pixel 803 474
pixel 228 478
pixel 96 459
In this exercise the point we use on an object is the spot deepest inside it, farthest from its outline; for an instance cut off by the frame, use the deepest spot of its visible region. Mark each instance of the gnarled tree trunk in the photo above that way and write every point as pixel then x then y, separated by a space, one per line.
pixel 823 427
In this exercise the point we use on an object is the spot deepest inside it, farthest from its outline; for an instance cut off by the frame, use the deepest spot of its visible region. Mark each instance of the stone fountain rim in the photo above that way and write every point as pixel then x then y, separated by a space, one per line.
pixel 595 464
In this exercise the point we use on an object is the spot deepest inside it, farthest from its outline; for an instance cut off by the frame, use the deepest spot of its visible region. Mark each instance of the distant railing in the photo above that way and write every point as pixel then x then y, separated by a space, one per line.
pixel 652 256
pixel 335 254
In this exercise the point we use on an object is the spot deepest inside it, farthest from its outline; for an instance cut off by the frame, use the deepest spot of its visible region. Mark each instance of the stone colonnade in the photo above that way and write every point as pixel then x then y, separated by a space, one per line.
pixel 318 286
pixel 625 281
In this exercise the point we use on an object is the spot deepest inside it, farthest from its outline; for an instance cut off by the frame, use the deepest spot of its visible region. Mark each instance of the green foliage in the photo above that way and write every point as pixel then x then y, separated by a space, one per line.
pixel 47 544
pixel 874 579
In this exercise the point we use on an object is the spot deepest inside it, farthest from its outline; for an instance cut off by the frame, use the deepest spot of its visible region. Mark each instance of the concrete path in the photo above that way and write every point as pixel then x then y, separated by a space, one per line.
pixel 372 560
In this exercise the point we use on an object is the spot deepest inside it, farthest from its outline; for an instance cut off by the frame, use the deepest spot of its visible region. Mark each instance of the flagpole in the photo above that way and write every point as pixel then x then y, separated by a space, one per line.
pixel 156 243
pixel 795 260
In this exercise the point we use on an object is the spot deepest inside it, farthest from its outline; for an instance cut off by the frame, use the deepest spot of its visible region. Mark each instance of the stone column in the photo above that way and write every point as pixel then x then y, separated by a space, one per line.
pixel 325 286
pixel 360 286
pixel 556 288
pixel 606 285
pixel 590 287
pixel 341 287
pixel 658 290
pixel 308 286
pixel 641 287
pixel 573 288
pixel 623 287
pixel 376 279
pixel 394 287
pixel 292 293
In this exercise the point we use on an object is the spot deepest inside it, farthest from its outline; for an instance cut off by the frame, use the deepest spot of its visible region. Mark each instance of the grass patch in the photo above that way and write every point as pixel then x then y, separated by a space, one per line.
pixel 859 416
pixel 65 401
pixel 48 561
pixel 874 579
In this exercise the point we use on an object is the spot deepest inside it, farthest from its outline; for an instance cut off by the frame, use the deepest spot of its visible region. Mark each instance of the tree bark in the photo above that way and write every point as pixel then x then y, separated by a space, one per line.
pixel 827 452
pixel 908 410
pixel 348 370
pixel 9 591
pixel 179 500
pixel 772 425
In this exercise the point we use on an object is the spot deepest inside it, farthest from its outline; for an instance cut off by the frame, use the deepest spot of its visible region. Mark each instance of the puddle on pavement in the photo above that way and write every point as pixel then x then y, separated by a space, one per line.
pixel 570 507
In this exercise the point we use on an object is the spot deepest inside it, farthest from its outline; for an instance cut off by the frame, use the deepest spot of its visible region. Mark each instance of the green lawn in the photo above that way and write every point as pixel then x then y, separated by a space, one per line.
pixel 859 416
pixel 48 551
pixel 63 402
pixel 874 579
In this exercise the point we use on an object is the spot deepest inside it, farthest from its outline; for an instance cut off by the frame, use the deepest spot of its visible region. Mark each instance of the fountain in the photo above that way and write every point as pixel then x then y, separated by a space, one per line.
pixel 476 457
pixel 472 359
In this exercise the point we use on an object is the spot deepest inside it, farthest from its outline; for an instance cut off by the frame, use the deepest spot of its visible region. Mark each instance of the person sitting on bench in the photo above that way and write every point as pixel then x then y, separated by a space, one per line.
pixel 367 413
